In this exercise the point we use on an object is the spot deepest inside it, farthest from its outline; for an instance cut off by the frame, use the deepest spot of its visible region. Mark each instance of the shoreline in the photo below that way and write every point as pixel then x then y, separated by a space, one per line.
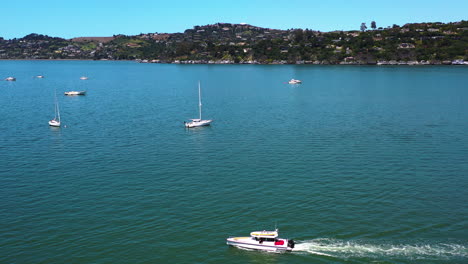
pixel 223 62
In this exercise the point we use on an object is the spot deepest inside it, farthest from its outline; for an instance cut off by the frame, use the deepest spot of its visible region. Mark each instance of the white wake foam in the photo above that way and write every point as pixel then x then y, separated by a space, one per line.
pixel 348 249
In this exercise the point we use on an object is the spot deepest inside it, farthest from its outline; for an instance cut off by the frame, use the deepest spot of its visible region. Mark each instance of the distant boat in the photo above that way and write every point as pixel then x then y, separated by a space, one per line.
pixel 75 93
pixel 293 81
pixel 10 79
pixel 39 76
pixel 83 78
pixel 56 121
pixel 198 122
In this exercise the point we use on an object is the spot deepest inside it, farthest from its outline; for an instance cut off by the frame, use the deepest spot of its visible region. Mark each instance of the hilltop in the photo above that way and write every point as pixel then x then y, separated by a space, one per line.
pixel 416 43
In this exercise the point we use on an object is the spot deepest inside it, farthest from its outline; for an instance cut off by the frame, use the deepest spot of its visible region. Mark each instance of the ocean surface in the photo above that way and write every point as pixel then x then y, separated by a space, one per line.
pixel 359 164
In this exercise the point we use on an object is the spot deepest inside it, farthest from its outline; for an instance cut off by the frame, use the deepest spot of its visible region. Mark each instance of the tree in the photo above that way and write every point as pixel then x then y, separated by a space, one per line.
pixel 373 25
pixel 298 35
pixel 363 27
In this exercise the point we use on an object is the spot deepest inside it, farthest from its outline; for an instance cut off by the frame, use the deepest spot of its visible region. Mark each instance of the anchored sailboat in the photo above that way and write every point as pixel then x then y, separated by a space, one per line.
pixel 198 121
pixel 56 121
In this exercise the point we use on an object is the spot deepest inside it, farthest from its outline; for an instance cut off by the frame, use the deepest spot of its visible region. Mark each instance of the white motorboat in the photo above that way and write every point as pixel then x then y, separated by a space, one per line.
pixel 262 240
pixel 75 93
pixel 10 79
pixel 198 122
pixel 293 81
pixel 39 76
pixel 56 121
pixel 83 78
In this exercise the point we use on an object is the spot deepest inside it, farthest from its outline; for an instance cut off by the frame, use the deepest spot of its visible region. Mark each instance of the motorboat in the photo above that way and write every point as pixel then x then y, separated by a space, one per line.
pixel 83 78
pixel 10 79
pixel 262 240
pixel 39 76
pixel 198 122
pixel 293 81
pixel 75 93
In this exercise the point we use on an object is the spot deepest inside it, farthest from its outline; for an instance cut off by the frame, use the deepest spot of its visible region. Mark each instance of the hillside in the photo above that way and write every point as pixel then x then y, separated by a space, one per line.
pixel 418 43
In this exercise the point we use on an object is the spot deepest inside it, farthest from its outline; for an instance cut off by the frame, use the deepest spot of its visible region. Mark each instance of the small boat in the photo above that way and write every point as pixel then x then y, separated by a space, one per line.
pixel 262 240
pixel 83 78
pixel 39 76
pixel 56 121
pixel 293 81
pixel 198 122
pixel 10 79
pixel 75 93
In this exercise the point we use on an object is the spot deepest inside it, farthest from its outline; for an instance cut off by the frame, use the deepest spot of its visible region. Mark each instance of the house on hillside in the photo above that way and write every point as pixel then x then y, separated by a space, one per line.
pixel 406 46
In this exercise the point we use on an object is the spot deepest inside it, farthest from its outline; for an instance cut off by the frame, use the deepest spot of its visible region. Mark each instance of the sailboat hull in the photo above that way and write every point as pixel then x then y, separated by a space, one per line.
pixel 76 93
pixel 200 123
pixel 54 123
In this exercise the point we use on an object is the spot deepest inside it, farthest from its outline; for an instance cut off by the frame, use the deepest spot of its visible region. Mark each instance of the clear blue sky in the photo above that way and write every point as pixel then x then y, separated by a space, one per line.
pixel 67 19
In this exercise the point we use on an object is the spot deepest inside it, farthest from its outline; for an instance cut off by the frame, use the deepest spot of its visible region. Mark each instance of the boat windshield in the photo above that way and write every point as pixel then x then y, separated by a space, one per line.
pixel 264 234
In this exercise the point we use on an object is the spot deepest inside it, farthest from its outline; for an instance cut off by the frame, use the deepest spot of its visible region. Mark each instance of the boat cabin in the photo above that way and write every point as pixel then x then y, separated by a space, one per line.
pixel 267 236
pixel 264 234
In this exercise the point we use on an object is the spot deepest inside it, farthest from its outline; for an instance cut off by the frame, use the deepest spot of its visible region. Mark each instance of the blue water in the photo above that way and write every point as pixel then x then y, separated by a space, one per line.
pixel 358 164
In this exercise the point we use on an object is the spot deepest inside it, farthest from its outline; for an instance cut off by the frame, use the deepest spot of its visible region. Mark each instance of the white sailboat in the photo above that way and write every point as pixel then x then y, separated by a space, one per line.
pixel 197 122
pixel 56 121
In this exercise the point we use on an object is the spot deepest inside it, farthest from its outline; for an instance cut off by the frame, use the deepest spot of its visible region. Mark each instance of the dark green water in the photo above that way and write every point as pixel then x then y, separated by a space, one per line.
pixel 357 164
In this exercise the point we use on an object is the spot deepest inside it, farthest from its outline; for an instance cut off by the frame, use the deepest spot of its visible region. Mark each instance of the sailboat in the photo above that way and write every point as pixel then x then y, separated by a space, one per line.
pixel 198 121
pixel 56 121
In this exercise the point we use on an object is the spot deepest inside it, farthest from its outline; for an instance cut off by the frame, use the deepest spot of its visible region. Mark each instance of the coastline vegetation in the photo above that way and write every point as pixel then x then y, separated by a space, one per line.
pixel 416 43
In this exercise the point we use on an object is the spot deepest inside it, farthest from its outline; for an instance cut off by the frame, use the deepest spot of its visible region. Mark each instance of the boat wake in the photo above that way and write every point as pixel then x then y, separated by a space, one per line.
pixel 351 249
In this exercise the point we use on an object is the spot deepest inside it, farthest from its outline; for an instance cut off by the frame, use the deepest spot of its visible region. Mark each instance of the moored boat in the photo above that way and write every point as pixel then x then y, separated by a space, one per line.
pixel 10 79
pixel 293 81
pixel 262 240
pixel 56 121
pixel 75 93
pixel 198 122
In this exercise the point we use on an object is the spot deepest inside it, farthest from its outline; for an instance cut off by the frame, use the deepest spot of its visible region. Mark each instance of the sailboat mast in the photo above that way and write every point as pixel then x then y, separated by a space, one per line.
pixel 58 109
pixel 199 98
pixel 55 104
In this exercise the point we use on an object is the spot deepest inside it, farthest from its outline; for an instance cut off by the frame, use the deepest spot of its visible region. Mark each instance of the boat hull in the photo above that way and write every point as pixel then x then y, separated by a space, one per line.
pixel 201 123
pixel 75 93
pixel 248 243
pixel 293 81
pixel 54 123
